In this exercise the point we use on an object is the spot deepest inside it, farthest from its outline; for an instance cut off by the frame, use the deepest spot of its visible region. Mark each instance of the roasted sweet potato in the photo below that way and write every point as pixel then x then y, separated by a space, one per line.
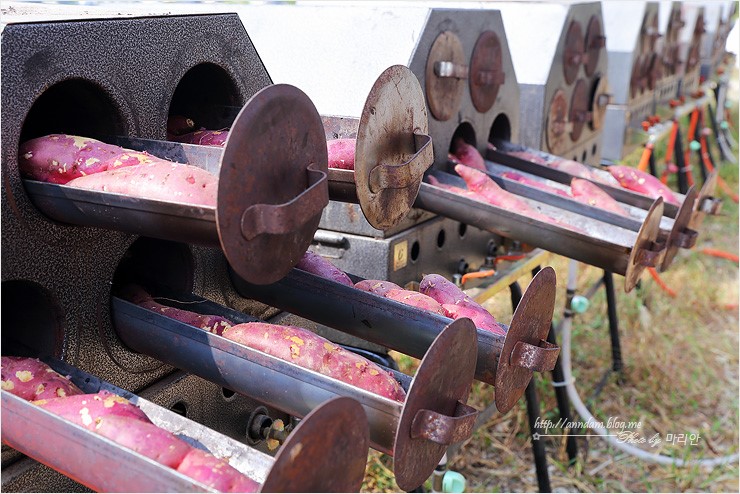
pixel 145 438
pixel 31 379
pixel 644 183
pixel 178 125
pixel 416 299
pixel 467 155
pixel 341 153
pixel 216 473
pixel 457 303
pixel 590 193
pixel 378 287
pixel 211 323
pixel 86 410
pixel 518 177
pixel 456 190
pixel 304 348
pixel 159 180
pixel 59 158
pixel 314 263
pixel 203 137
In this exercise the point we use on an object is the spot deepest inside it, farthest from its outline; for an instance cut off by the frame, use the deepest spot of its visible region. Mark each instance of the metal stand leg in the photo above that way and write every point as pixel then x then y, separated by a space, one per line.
pixel 651 164
pixel 533 412
pixel 724 151
pixel 683 182
pixel 611 305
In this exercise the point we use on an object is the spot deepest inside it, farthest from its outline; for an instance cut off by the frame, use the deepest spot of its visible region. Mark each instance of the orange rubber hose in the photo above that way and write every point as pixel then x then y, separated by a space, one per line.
pixel 477 274
pixel 720 253
pixel 645 158
pixel 661 283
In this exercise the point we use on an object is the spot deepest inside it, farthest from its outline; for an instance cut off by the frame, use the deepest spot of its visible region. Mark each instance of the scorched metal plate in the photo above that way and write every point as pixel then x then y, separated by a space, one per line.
pixel 393 148
pixel 332 438
pixel 445 73
pixel 706 203
pixel 645 252
pixel 526 348
pixel 441 383
pixel 486 71
pixel 681 236
pixel 272 184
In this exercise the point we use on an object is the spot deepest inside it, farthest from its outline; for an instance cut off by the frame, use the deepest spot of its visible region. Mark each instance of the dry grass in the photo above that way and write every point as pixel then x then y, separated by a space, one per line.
pixel 680 376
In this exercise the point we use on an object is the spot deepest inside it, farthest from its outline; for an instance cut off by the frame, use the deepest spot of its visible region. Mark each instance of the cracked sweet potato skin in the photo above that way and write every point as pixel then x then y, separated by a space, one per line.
pixel 87 410
pixel 591 194
pixel 215 472
pixel 31 379
pixel 59 158
pixel 302 347
pixel 378 287
pixel 644 183
pixel 314 263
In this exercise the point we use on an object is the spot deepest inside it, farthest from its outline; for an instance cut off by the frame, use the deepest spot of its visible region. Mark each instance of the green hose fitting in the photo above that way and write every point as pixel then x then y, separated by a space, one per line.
pixel 453 482
pixel 579 304
pixel 695 146
pixel 724 125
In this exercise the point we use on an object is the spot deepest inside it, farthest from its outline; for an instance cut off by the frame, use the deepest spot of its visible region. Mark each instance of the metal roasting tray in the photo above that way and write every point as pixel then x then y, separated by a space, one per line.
pixel 415 432
pixel 92 459
pixel 411 330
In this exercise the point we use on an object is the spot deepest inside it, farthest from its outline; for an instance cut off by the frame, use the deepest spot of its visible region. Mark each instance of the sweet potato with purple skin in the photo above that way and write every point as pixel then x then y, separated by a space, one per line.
pixel 87 410
pixel 159 180
pixel 416 299
pixel 644 183
pixel 457 303
pixel 314 263
pixel 203 137
pixel 341 153
pixel 178 125
pixel 211 323
pixel 468 155
pixel 591 194
pixel 145 438
pixel 31 379
pixel 527 156
pixel 517 177
pixel 216 473
pixel 304 348
pixel 59 158
pixel 378 287
pixel 456 190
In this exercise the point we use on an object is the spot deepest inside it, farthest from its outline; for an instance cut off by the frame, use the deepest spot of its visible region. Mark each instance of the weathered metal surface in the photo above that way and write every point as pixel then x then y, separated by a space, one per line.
pixel 393 149
pixel 681 236
pixel 646 252
pixel 444 429
pixel 706 203
pixel 305 464
pixel 595 42
pixel 530 324
pixel 599 101
pixel 557 122
pixel 486 71
pixel 444 94
pixel 275 156
pixel 441 382
pixel 579 113
pixel 575 51
pixel 540 358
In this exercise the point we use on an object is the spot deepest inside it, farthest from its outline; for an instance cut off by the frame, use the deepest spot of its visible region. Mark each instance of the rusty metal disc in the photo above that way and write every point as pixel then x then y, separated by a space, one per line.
pixel 529 328
pixel 557 122
pixel 573 52
pixel 327 452
pixel 653 70
pixel 393 149
pixel 272 184
pixel 580 113
pixel 443 379
pixel 649 33
pixel 599 101
pixel 645 247
pixel 680 233
pixel 595 42
pixel 444 75
pixel 486 71
pixel 635 76
pixel 706 197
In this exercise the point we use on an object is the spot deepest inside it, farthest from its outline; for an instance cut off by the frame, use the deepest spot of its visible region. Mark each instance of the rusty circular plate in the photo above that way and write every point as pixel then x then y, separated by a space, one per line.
pixel 646 238
pixel 386 142
pixel 272 184
pixel 705 193
pixel 650 32
pixel 594 44
pixel 486 71
pixel 443 378
pixel 573 52
pixel 653 70
pixel 530 324
pixel 635 76
pixel 444 93
pixel 680 224
pixel 557 121
pixel 327 452
pixel 579 113
pixel 599 101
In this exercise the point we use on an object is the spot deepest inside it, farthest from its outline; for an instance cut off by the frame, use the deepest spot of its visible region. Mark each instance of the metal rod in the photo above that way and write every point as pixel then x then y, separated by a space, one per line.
pixel 651 164
pixel 611 305
pixel 683 184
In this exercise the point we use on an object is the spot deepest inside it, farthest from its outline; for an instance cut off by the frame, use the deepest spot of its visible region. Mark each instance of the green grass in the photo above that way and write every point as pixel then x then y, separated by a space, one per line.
pixel 680 376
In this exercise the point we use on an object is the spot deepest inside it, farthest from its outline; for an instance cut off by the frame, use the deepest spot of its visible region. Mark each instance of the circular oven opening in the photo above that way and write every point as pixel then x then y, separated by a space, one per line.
pixel 500 129
pixel 208 96
pixel 77 107
pixel 465 132
pixel 32 320
pixel 153 262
